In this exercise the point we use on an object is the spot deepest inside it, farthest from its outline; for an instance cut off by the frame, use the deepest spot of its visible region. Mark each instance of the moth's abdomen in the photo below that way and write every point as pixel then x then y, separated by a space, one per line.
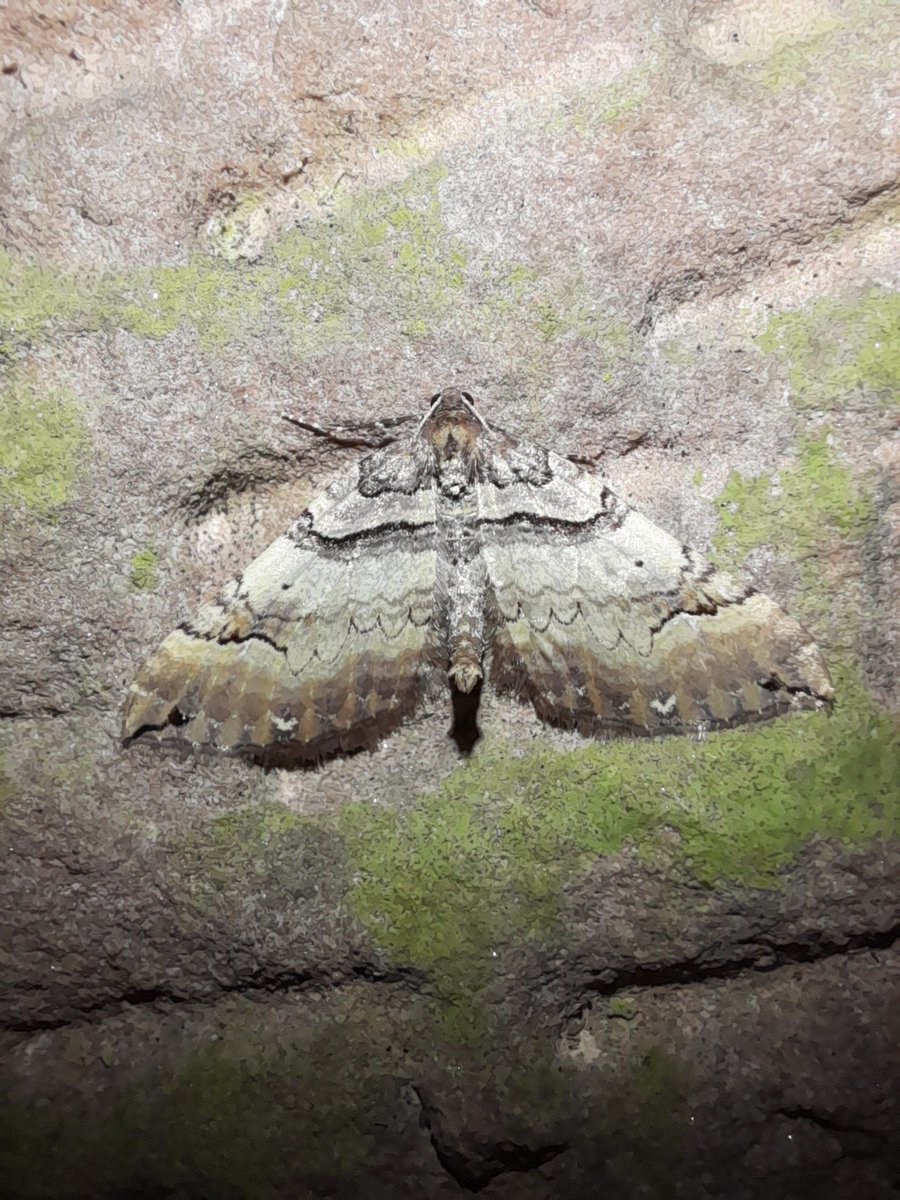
pixel 462 581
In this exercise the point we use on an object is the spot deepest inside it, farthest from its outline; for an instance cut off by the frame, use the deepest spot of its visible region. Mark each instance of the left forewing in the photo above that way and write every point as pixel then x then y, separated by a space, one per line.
pixel 608 624
pixel 324 643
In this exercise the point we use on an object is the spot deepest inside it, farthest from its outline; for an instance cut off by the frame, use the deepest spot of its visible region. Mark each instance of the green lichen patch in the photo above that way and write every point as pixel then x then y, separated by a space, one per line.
pixel 263 848
pixel 799 512
pixel 621 1007
pixel 586 109
pixel 8 790
pixel 678 351
pixel 144 575
pixel 382 250
pixel 239 230
pixel 481 863
pixel 840 353
pixel 223 302
pixel 32 296
pixel 795 59
pixel 42 438
pixel 556 308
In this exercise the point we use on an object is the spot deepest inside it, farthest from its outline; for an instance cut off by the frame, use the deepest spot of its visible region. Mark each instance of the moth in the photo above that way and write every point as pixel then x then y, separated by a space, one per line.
pixel 458 553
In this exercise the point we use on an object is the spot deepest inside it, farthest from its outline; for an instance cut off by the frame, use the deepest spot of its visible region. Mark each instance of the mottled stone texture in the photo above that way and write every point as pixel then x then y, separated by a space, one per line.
pixel 658 237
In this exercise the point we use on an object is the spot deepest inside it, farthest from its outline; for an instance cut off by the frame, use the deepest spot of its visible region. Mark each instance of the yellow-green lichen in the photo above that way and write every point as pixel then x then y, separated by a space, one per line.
pixel 385 249
pixel 369 252
pixel 379 249
pixel 795 59
pixel 678 351
pixel 222 301
pixel 42 438
pixel 622 1007
pixel 144 570
pixel 32 296
pixel 481 863
pixel 840 353
pixel 8 790
pixel 588 108
pixel 557 308
pixel 798 511
pixel 240 229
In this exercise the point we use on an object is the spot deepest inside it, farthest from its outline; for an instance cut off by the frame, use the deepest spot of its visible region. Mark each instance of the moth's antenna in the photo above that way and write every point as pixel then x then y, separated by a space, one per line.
pixel 437 400
pixel 467 401
pixel 470 405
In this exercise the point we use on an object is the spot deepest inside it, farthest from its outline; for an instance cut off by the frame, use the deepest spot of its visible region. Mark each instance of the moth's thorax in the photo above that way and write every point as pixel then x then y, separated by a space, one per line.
pixel 452 432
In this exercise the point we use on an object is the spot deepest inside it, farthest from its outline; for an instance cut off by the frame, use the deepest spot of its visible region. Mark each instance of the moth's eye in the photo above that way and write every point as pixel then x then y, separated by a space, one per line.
pixel 466 396
pixel 435 398
pixel 638 562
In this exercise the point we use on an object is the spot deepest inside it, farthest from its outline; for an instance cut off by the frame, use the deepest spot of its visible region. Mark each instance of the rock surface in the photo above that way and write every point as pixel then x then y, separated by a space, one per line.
pixel 660 238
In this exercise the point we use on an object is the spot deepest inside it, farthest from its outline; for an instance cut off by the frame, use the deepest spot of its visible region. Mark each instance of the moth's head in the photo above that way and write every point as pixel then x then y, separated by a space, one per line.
pixel 452 421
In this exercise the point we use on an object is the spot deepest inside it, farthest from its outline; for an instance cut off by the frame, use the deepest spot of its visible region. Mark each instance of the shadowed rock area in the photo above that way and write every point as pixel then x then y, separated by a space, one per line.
pixel 659 238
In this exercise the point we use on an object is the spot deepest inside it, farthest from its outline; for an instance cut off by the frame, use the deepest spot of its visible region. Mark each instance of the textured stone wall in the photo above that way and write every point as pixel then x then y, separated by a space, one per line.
pixel 657 237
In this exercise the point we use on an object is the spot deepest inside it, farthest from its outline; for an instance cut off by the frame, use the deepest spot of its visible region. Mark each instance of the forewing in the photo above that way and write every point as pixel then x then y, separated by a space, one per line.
pixel 608 624
pixel 323 644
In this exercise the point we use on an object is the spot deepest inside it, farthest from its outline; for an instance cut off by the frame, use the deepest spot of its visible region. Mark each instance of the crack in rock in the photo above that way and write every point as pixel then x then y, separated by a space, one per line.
pixel 270 983
pixel 774 956
pixel 856 1141
pixel 474 1163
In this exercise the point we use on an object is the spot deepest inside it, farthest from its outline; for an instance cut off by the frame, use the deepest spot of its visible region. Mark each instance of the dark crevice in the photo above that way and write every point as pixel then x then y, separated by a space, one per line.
pixel 474 1163
pixel 774 684
pixel 620 446
pixel 864 196
pixel 765 956
pixel 28 714
pixel 667 294
pixel 252 468
pixel 856 1141
pixel 271 983
pixel 367 435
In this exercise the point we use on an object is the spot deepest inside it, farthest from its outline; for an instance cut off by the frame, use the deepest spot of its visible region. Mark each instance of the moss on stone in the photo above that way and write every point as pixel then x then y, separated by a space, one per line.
pixel 798 511
pixel 33 295
pixel 481 863
pixel 622 1007
pixel 586 109
pixel 8 790
pixel 42 438
pixel 144 570
pixel 840 353
pixel 796 58
pixel 385 247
